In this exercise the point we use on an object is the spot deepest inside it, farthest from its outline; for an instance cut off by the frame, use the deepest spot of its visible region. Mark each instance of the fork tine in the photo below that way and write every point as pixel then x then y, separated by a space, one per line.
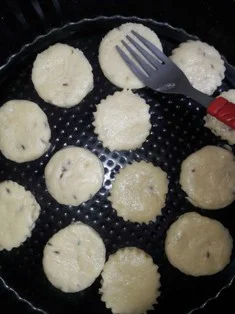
pixel 153 60
pixel 151 47
pixel 134 68
pixel 147 68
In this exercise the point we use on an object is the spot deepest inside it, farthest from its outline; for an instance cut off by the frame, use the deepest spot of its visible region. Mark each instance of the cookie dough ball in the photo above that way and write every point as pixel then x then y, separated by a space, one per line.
pixel 111 63
pixel 130 282
pixel 62 75
pixel 74 257
pixel 197 245
pixel 139 192
pixel 201 63
pixel 24 131
pixel 18 213
pixel 74 175
pixel 219 128
pixel 208 177
pixel 122 121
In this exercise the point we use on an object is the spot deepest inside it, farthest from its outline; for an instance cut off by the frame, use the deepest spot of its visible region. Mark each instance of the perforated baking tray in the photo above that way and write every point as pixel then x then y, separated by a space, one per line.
pixel 177 131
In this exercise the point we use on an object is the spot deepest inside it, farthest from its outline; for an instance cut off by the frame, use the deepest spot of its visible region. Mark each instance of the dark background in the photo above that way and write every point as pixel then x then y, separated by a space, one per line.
pixel 22 20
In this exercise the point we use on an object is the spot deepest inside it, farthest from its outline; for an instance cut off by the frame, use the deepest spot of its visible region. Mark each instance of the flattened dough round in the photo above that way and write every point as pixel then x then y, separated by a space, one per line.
pixel 122 121
pixel 201 63
pixel 18 212
pixel 197 245
pixel 130 282
pixel 74 257
pixel 218 127
pixel 139 192
pixel 112 65
pixel 24 131
pixel 73 175
pixel 208 177
pixel 62 75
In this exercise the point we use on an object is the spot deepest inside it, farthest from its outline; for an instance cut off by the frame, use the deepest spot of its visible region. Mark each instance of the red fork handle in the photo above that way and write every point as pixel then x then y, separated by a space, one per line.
pixel 223 110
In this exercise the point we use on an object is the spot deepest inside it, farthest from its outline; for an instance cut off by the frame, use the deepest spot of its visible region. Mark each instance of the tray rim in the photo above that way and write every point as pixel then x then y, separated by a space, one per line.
pixel 25 47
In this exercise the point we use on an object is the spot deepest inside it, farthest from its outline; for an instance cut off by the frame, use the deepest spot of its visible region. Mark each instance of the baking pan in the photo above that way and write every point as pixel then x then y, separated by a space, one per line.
pixel 177 131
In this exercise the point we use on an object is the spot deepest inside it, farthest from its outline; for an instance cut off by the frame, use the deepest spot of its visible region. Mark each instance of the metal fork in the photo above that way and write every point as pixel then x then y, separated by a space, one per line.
pixel 161 74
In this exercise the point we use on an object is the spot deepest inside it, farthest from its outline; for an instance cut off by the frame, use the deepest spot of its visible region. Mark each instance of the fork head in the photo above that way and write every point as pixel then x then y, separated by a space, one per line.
pixel 155 69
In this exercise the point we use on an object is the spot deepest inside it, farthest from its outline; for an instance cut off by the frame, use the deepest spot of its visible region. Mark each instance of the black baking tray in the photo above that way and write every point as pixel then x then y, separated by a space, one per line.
pixel 25 21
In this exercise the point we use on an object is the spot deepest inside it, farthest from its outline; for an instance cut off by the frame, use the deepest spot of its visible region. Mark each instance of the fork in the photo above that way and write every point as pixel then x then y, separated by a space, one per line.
pixel 161 74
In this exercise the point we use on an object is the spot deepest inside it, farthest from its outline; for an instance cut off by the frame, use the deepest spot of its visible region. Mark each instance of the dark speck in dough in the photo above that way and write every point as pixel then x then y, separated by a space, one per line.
pixel 86 165
pixel 22 146
pixel 212 66
pixel 193 170
pixel 75 197
pixel 43 141
pixel 65 84
pixel 56 252
pixel 8 191
pixel 49 244
pixel 62 172
pixel 207 254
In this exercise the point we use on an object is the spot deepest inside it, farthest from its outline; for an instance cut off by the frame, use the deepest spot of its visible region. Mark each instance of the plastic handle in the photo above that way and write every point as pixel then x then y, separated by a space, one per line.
pixel 223 110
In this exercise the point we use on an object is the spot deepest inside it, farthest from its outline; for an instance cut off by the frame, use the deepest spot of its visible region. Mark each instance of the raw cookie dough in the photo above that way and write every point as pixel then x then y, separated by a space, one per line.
pixel 208 177
pixel 130 282
pixel 62 75
pixel 139 192
pixel 74 257
pixel 122 121
pixel 73 175
pixel 201 63
pixel 24 131
pixel 18 213
pixel 197 245
pixel 218 127
pixel 111 63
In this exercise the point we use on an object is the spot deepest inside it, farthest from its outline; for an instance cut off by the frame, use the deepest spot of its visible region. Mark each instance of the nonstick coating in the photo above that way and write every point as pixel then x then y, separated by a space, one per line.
pixel 177 131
